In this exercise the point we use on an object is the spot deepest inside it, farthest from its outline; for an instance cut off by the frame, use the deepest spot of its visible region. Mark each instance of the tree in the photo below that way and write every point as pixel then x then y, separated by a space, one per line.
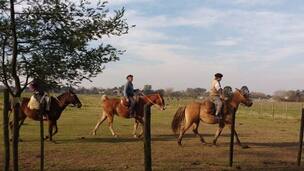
pixel 51 40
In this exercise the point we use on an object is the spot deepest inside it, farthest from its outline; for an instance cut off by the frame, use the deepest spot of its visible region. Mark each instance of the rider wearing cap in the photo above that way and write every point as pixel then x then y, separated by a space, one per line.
pixel 129 94
pixel 215 93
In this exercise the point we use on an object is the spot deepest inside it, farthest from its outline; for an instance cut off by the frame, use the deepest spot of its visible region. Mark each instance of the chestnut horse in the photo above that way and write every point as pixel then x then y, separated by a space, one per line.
pixel 56 108
pixel 115 106
pixel 204 111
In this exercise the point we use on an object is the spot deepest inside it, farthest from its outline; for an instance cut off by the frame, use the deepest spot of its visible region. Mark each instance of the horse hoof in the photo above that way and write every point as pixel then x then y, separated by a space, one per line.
pixel 93 133
pixel 116 136
pixel 135 136
pixel 179 144
pixel 245 146
pixel 204 143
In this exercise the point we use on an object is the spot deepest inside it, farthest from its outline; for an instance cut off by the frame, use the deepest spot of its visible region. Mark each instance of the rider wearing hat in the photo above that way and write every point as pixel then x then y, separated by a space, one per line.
pixel 129 94
pixel 215 93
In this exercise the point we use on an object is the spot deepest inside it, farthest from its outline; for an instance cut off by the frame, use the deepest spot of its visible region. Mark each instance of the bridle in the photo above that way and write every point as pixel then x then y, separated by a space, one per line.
pixel 157 105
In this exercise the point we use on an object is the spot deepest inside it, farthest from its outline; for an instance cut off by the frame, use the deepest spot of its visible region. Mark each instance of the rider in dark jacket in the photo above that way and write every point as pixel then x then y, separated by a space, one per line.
pixel 129 94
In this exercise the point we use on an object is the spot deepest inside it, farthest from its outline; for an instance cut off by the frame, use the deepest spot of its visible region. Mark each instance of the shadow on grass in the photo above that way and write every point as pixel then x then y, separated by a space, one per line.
pixel 272 144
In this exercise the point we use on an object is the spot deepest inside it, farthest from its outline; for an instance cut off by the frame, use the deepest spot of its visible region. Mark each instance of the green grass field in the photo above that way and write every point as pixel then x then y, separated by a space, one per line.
pixel 273 142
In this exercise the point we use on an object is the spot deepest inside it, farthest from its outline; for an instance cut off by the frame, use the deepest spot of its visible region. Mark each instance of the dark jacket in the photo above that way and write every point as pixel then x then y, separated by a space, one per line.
pixel 128 89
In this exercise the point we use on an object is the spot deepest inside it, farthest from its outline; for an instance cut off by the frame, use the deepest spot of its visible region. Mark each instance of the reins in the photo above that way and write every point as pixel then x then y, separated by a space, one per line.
pixel 158 106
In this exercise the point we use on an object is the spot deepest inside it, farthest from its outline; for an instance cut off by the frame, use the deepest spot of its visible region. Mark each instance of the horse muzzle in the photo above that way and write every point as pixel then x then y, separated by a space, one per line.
pixel 249 103
pixel 79 105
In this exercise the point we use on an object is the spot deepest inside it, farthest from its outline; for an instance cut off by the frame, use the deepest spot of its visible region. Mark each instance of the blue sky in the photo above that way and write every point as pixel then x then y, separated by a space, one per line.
pixel 181 43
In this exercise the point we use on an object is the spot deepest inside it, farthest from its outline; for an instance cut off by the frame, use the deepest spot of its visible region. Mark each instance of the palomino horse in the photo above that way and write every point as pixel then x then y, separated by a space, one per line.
pixel 115 106
pixel 195 112
pixel 56 108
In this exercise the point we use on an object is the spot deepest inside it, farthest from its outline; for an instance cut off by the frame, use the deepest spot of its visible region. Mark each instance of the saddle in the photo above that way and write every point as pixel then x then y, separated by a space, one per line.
pixel 36 101
pixel 124 101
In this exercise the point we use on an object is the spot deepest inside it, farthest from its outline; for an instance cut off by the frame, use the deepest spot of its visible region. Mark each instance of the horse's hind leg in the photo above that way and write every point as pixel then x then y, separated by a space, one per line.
pixel 195 131
pixel 110 120
pixel 102 119
pixel 182 132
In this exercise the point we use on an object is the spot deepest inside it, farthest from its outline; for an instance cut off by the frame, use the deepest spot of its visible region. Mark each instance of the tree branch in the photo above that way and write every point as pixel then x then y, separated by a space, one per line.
pixel 3 67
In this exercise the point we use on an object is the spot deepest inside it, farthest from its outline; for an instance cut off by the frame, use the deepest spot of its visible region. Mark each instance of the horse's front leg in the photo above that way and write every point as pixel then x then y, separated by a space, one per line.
pixel 135 128
pixel 141 121
pixel 56 128
pixel 218 133
pixel 50 131
pixel 238 140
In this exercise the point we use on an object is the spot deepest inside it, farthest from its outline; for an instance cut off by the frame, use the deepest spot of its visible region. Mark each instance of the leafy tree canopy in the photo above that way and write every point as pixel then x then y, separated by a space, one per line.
pixel 54 39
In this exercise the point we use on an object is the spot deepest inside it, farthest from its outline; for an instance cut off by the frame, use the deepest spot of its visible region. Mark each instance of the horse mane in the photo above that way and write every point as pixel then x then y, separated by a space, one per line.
pixel 104 97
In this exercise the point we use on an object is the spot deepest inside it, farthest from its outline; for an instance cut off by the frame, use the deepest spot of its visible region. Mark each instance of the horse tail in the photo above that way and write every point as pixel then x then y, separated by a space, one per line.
pixel 178 118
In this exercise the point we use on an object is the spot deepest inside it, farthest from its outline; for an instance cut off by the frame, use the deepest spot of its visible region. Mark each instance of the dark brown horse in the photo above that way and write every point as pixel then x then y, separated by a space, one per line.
pixel 56 107
pixel 115 106
pixel 204 111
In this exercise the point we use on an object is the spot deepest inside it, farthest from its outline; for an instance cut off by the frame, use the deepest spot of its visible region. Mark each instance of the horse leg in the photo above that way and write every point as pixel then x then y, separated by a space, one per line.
pixel 135 128
pixel 102 119
pixel 11 125
pixel 110 121
pixel 195 131
pixel 51 124
pixel 182 132
pixel 141 121
pixel 56 128
pixel 238 140
pixel 218 133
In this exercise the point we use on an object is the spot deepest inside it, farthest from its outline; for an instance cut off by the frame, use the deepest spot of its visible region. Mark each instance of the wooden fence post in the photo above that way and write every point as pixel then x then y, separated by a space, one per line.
pixel 301 138
pixel 286 109
pixel 232 139
pixel 147 139
pixel 272 109
pixel 41 142
pixel 6 143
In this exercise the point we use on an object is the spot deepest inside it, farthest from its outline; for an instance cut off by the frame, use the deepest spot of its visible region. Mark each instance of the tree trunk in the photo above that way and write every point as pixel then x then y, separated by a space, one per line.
pixel 16 136
pixel 6 131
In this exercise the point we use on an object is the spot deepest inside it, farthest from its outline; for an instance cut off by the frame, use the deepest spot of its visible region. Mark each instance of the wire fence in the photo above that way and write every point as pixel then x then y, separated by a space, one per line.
pixel 275 110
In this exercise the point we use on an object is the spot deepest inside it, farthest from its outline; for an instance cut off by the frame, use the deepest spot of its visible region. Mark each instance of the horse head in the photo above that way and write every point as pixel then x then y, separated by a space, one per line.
pixel 71 98
pixel 157 99
pixel 244 96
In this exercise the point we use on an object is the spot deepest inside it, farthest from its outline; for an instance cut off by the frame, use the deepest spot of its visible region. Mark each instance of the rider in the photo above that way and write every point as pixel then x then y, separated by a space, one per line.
pixel 215 93
pixel 40 93
pixel 129 94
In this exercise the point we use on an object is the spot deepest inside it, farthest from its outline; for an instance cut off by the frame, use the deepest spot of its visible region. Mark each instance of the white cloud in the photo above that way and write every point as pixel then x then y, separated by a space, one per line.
pixel 123 2
pixel 260 41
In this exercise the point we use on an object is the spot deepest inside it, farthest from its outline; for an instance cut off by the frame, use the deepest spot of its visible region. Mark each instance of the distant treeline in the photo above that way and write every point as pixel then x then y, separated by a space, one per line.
pixel 282 95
